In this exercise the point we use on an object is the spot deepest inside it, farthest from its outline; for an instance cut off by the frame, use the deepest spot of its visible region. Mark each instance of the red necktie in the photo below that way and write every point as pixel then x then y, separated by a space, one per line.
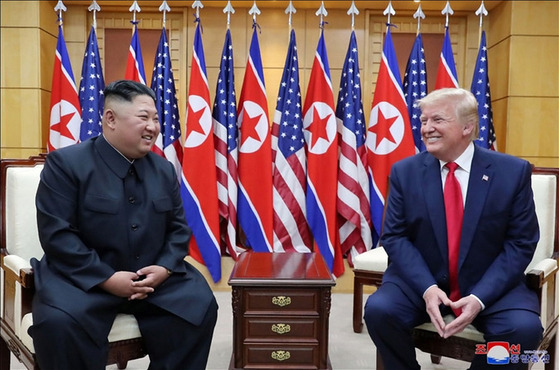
pixel 454 208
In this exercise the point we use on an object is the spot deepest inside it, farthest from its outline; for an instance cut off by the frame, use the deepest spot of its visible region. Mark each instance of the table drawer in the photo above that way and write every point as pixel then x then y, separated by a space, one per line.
pixel 282 301
pixel 281 328
pixel 281 357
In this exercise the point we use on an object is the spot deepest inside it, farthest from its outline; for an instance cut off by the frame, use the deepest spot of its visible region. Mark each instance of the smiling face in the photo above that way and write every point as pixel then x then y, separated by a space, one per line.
pixel 448 122
pixel 131 127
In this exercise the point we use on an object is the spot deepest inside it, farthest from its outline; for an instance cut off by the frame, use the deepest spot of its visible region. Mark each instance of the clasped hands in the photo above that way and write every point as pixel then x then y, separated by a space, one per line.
pixel 469 305
pixel 135 285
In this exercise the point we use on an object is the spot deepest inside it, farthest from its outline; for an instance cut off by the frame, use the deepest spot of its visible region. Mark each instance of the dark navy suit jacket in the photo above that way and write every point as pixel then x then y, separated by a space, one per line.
pixel 91 224
pixel 499 233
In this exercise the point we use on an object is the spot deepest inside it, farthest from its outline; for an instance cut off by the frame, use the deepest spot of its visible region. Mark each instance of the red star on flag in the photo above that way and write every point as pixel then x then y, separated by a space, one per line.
pixel 194 123
pixel 382 128
pixel 318 127
pixel 62 126
pixel 250 128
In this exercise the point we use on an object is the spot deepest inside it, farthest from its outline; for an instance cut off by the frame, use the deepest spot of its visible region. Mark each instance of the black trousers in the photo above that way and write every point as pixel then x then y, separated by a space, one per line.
pixel 172 343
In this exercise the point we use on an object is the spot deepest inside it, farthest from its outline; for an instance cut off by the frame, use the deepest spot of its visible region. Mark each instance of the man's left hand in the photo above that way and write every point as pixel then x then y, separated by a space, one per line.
pixel 152 275
pixel 470 309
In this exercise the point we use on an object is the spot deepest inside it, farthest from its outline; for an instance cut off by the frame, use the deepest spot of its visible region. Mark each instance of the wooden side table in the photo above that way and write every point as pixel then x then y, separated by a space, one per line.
pixel 281 306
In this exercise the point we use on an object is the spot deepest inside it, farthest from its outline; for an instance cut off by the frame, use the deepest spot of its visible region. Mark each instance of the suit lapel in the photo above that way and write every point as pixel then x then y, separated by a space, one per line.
pixel 481 175
pixel 433 191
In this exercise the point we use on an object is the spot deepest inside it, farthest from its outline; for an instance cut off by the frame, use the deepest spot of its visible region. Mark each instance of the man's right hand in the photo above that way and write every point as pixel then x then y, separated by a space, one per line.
pixel 120 284
pixel 433 297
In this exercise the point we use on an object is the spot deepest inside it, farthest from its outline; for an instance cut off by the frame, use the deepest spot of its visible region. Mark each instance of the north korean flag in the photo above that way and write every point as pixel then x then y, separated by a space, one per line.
pixel 319 121
pixel 389 137
pixel 255 156
pixel 199 184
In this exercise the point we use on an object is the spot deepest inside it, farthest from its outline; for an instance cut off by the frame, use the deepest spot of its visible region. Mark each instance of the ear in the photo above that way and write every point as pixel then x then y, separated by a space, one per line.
pixel 468 129
pixel 109 118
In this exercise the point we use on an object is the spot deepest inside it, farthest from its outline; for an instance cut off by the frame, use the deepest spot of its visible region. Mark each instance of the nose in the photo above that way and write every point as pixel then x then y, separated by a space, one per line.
pixel 153 125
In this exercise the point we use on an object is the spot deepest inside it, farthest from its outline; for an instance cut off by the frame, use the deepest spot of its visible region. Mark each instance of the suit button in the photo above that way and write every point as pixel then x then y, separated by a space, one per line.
pixel 134 227
pixel 131 200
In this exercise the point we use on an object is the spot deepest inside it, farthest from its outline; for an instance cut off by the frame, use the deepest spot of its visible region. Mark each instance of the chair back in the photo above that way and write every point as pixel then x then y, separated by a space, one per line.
pixel 19 182
pixel 545 183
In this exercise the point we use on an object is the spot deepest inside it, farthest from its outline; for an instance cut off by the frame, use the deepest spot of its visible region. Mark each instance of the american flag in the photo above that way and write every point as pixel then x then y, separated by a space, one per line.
pixel 135 62
pixel 65 118
pixel 255 156
pixel 389 137
pixel 446 73
pixel 226 149
pixel 415 88
pixel 321 139
pixel 199 183
pixel 91 89
pixel 163 84
pixel 353 180
pixel 291 231
pixel 480 89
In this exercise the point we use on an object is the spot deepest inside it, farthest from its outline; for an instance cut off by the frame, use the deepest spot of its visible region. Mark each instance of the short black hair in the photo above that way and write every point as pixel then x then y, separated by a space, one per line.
pixel 127 90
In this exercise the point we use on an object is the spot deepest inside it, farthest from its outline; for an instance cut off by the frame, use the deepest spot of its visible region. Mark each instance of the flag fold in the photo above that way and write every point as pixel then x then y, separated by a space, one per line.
pixel 389 137
pixel 168 143
pixel 415 88
pixel 91 89
pixel 353 181
pixel 255 155
pixel 65 118
pixel 199 183
pixel 319 121
pixel 291 231
pixel 480 89
pixel 226 148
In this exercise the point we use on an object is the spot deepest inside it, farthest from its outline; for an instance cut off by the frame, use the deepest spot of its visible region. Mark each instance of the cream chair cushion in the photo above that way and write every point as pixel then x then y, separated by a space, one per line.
pixel 22 237
pixel 375 259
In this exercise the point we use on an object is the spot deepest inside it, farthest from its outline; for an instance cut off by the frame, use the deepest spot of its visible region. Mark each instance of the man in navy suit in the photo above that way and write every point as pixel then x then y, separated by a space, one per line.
pixel 499 233
pixel 111 223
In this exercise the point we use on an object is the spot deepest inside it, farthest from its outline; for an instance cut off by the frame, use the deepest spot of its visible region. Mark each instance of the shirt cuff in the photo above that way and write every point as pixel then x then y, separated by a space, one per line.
pixel 425 292
pixel 480 302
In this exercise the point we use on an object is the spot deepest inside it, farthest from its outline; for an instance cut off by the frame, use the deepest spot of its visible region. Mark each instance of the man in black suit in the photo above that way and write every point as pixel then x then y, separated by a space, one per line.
pixel 111 223
pixel 496 232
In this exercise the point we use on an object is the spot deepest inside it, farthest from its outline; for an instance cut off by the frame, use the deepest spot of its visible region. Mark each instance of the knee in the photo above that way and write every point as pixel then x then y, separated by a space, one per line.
pixel 378 311
pixel 52 320
pixel 529 330
pixel 519 327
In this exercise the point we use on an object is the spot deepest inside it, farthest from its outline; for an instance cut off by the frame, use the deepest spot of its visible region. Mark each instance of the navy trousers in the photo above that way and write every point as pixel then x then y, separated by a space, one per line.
pixel 390 317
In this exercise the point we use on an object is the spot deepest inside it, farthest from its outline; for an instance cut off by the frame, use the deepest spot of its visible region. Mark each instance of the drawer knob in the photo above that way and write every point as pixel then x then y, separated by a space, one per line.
pixel 281 355
pixel 281 328
pixel 281 300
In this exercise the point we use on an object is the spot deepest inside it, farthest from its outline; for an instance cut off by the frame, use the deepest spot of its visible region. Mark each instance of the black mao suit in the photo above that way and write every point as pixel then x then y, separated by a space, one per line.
pixel 96 215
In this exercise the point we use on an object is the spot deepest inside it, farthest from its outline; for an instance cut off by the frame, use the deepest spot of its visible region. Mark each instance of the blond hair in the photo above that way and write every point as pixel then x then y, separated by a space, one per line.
pixel 464 102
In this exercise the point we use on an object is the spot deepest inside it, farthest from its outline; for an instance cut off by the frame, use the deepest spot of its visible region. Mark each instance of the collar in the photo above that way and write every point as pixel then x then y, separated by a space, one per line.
pixel 464 161
pixel 118 163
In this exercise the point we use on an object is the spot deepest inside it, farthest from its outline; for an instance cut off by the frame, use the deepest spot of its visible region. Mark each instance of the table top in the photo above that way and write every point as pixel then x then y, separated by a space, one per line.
pixel 258 268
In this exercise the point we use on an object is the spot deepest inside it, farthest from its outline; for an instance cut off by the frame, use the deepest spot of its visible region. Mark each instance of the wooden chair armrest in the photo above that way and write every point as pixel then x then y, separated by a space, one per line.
pixel 542 273
pixel 19 268
pixel 26 278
